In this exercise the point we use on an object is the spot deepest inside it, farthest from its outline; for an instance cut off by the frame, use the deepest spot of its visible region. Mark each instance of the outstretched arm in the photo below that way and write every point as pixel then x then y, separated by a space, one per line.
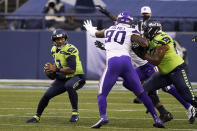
pixel 107 13
pixel 92 30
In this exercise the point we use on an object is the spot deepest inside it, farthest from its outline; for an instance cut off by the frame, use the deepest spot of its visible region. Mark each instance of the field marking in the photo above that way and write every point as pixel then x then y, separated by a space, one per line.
pixel 110 97
pixel 95 110
pixel 115 118
pixel 88 127
pixel 92 103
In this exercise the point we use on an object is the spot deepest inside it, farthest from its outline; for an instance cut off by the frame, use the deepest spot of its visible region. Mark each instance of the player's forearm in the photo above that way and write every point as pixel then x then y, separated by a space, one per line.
pixel 66 70
pixel 152 59
pixel 112 17
pixel 139 40
pixel 107 13
pixel 100 34
pixel 158 55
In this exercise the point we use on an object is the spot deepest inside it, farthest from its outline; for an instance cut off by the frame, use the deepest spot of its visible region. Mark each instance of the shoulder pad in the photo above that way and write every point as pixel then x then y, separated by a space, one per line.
pixel 159 42
pixel 65 53
pixel 166 40
pixel 71 49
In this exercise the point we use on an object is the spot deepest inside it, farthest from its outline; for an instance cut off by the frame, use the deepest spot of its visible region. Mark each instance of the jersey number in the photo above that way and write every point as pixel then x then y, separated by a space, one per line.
pixel 118 38
pixel 59 64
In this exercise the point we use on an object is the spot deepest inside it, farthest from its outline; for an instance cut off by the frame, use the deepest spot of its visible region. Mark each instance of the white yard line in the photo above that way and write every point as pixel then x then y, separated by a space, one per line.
pixel 54 116
pixel 49 81
pixel 83 110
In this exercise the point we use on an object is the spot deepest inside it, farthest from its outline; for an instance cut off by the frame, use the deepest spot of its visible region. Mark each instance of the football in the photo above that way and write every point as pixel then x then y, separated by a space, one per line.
pixel 50 75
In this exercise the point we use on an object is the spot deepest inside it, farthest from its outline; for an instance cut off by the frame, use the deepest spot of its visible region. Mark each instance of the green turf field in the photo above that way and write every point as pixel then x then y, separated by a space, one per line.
pixel 17 105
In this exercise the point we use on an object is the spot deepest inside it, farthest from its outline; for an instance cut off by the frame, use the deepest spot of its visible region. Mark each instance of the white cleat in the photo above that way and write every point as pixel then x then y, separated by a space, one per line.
pixel 191 112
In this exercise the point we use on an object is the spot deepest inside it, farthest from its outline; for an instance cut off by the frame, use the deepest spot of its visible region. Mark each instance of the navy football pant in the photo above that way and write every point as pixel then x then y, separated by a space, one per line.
pixel 177 77
pixel 60 86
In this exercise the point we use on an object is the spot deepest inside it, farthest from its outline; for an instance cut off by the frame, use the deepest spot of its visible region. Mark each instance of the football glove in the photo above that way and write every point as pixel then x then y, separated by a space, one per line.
pixel 90 29
pixel 100 45
pixel 140 51
pixel 102 10
pixel 194 39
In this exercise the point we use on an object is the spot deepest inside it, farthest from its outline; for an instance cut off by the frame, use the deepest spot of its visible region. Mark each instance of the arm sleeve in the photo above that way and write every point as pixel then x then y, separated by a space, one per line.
pixel 71 60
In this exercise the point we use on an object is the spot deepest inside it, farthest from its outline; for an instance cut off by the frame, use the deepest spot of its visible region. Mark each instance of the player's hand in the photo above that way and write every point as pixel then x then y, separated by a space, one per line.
pixel 100 45
pixel 140 51
pixel 88 25
pixel 90 29
pixel 194 39
pixel 50 68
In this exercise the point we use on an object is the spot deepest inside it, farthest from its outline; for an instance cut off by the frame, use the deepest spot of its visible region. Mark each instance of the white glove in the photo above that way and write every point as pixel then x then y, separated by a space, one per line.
pixel 90 29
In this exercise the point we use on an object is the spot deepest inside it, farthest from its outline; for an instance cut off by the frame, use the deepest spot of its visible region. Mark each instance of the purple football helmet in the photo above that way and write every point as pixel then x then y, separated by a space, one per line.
pixel 124 18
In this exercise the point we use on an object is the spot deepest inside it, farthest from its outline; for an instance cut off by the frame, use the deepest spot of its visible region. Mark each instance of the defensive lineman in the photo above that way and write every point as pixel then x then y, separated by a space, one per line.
pixel 118 39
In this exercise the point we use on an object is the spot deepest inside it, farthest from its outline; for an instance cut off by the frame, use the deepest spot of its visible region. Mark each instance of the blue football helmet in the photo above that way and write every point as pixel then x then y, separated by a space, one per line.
pixel 125 18
pixel 152 29
pixel 57 36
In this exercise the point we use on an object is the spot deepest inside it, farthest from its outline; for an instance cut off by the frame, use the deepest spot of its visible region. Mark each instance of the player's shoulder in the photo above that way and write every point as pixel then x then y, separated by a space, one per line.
pixel 162 35
pixel 70 48
pixel 53 48
pixel 162 38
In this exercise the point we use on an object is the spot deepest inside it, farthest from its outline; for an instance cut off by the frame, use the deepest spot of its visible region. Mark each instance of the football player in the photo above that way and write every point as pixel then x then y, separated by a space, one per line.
pixel 172 69
pixel 67 72
pixel 118 41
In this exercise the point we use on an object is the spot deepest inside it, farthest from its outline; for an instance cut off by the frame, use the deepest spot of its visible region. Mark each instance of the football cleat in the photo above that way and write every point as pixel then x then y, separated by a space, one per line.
pixel 101 122
pixel 74 117
pixel 191 112
pixel 34 119
pixel 137 100
pixel 165 117
pixel 158 123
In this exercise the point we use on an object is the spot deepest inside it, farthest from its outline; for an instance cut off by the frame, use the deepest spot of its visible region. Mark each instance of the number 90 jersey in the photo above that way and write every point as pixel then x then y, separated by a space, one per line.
pixel 118 40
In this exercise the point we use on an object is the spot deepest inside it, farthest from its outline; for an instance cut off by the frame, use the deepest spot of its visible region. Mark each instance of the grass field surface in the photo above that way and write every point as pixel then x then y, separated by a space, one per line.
pixel 19 104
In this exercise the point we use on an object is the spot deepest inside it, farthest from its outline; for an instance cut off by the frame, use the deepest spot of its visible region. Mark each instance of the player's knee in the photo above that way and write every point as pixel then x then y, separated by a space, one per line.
pixel 101 97
pixel 80 84
pixel 69 86
pixel 47 96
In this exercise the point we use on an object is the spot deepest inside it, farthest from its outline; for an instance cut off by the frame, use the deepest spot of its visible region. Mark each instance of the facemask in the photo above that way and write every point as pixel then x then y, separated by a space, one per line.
pixel 145 17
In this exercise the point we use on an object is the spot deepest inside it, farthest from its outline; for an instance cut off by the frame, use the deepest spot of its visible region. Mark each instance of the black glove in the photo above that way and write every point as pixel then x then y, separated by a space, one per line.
pixel 194 39
pixel 100 45
pixel 140 51
pixel 102 10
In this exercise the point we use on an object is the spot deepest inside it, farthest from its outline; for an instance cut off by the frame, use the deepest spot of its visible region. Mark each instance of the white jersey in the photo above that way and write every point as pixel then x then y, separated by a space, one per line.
pixel 118 40
pixel 137 61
